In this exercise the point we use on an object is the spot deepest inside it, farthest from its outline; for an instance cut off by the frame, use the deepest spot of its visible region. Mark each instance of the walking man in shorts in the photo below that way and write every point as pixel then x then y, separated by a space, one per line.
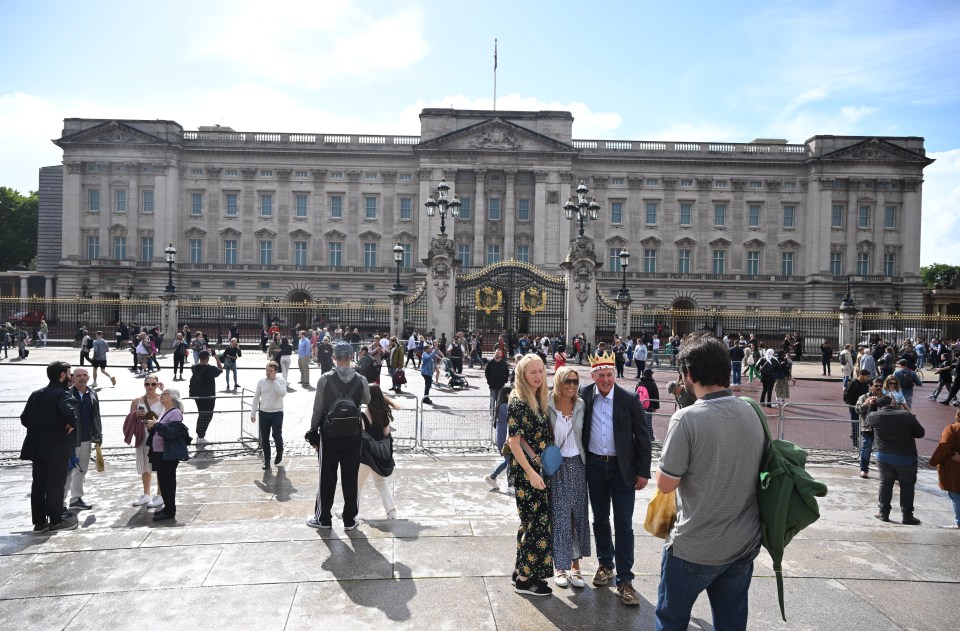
pixel 100 350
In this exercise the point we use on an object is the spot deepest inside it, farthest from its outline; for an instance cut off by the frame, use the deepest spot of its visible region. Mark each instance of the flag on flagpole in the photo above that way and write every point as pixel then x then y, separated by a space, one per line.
pixel 494 54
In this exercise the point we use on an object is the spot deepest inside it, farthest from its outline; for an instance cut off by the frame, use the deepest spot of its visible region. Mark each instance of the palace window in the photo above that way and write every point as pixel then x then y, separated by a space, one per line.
pixel 369 254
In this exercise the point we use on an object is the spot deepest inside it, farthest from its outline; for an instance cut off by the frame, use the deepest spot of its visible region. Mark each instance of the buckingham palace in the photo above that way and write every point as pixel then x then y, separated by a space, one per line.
pixel 312 216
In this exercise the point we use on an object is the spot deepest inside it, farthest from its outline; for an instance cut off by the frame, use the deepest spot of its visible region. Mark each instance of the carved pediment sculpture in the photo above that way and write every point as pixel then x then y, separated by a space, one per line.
pixel 112 132
pixel 495 134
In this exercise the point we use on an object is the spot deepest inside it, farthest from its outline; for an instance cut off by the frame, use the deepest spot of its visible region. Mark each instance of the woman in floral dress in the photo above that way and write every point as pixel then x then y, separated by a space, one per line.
pixel 527 420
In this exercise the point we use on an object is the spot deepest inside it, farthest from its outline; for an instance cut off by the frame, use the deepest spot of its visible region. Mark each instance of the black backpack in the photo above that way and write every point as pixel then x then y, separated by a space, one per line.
pixel 769 367
pixel 342 417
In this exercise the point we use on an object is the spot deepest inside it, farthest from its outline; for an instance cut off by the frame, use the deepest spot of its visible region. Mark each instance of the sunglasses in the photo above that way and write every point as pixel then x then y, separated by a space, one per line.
pixel 570 382
pixel 154 384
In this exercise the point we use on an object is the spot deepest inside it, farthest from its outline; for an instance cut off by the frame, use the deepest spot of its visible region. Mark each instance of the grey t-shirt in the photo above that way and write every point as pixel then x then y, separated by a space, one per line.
pixel 714 448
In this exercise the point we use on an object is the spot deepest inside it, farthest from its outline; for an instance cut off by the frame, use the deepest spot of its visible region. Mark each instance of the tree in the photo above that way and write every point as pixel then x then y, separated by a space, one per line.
pixel 18 228
pixel 939 274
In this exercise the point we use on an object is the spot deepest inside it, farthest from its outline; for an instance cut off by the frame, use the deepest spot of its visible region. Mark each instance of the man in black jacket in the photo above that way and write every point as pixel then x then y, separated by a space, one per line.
pixel 50 417
pixel 497 373
pixel 895 440
pixel 203 386
pixel 618 464
pixel 854 390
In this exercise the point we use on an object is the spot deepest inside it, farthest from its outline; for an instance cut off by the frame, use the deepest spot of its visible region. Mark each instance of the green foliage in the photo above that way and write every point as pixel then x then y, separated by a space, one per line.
pixel 939 274
pixel 18 228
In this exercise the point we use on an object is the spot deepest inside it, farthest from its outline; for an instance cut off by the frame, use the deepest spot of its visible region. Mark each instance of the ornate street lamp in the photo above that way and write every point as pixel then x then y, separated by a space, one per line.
pixel 443 204
pixel 582 208
pixel 398 258
pixel 624 293
pixel 171 253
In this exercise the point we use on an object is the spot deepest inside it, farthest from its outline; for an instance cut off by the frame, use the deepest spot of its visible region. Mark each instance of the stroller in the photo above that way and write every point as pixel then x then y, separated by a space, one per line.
pixel 455 381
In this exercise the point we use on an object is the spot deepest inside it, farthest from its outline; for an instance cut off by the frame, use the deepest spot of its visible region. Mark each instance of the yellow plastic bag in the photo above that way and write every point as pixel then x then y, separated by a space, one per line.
pixel 661 513
pixel 99 457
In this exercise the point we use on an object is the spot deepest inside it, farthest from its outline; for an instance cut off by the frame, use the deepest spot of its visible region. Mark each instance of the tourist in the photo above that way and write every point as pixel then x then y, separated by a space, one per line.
pixel 145 408
pixel 501 408
pixel 376 422
pixel 230 356
pixel 946 459
pixel 167 449
pixel 268 402
pixel 203 388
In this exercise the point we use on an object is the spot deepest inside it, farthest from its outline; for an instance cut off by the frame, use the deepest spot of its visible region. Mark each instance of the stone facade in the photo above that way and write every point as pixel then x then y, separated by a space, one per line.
pixel 315 216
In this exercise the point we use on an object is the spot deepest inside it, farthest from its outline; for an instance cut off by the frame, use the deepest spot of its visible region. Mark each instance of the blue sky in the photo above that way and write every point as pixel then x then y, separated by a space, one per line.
pixel 637 70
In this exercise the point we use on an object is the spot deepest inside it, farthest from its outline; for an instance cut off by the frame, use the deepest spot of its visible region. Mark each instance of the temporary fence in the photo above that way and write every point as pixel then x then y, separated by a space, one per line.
pixel 457 421
pixel 230 422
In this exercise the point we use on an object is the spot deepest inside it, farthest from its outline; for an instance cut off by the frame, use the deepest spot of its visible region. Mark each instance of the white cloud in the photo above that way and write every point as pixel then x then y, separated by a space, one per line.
pixel 854 113
pixel 940 229
pixel 309 44
pixel 817 93
pixel 586 123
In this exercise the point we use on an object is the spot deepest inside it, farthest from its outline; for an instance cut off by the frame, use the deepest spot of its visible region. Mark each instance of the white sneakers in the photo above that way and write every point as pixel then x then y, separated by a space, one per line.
pixel 392 513
pixel 492 481
pixel 143 499
pixel 202 441
pixel 156 502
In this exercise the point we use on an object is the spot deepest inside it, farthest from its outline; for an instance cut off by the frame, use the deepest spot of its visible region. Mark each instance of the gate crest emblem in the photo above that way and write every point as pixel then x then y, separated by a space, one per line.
pixel 489 299
pixel 532 300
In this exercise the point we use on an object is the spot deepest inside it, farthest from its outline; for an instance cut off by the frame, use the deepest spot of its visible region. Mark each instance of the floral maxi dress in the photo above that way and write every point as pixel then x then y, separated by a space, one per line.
pixel 534 539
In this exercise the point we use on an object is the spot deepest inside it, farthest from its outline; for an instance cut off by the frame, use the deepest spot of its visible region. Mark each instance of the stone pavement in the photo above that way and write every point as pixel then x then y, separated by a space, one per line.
pixel 240 554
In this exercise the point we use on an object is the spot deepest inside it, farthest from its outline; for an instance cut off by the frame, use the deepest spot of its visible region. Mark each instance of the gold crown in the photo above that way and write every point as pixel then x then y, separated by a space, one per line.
pixel 602 361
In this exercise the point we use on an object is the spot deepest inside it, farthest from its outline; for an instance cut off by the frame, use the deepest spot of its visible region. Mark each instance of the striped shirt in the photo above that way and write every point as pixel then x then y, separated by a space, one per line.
pixel 714 448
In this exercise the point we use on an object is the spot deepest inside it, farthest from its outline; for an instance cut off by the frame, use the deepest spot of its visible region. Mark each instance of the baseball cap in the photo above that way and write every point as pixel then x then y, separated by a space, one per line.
pixel 343 349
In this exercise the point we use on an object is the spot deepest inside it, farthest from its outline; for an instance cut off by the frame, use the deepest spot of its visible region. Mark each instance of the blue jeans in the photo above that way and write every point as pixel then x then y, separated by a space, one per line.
pixel 606 486
pixel 229 367
pixel 681 582
pixel 737 372
pixel 494 395
pixel 866 446
pixel 501 467
pixel 955 498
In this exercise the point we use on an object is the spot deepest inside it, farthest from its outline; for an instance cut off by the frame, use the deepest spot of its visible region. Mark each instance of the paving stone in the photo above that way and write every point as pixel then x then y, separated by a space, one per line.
pixel 927 606
pixel 40 613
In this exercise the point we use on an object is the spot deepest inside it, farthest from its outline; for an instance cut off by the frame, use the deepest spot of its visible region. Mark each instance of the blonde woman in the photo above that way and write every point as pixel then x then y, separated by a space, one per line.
pixel 147 407
pixel 568 487
pixel 527 422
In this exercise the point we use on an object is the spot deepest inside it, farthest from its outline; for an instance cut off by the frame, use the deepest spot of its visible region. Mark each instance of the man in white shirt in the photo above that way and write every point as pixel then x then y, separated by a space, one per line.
pixel 268 400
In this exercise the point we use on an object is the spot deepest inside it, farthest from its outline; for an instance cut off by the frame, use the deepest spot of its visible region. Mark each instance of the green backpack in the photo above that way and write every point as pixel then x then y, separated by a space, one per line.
pixel 786 494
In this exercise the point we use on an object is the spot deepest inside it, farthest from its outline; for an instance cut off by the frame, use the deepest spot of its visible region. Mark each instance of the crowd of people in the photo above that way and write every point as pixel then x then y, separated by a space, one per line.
pixel 602 431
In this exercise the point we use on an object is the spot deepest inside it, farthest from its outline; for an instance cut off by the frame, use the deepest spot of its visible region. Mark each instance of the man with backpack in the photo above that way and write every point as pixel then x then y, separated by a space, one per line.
pixel 335 431
pixel 711 457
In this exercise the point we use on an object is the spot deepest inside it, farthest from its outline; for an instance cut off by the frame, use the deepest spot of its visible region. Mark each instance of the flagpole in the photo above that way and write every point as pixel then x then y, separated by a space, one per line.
pixel 494 74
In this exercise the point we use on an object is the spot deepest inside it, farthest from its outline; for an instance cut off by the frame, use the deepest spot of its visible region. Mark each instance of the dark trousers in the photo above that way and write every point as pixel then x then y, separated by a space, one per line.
pixel 953 389
pixel 46 492
pixel 205 407
pixel 411 357
pixel 907 477
pixel 457 363
pixel 767 392
pixel 605 484
pixel 345 454
pixel 641 366
pixel 619 365
pixel 178 361
pixel 271 422
pixel 825 362
pixel 427 382
pixel 167 481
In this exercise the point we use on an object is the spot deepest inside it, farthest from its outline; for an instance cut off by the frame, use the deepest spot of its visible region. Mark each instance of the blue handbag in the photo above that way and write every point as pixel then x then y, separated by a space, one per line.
pixel 549 461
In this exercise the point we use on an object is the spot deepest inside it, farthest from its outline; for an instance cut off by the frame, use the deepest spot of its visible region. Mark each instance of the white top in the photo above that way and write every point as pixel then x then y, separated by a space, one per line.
pixel 269 395
pixel 563 435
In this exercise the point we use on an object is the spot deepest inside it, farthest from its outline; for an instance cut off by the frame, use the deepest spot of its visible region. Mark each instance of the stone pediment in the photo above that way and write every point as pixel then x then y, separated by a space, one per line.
pixel 720 243
pixel 685 242
pixel 369 234
pixel 300 234
pixel 755 243
pixel 495 134
pixel 864 244
pixel 789 244
pixel 264 232
pixel 876 150
pixel 111 133
pixel 196 232
pixel 617 241
pixel 334 234
pixel 404 237
pixel 229 232
pixel 651 242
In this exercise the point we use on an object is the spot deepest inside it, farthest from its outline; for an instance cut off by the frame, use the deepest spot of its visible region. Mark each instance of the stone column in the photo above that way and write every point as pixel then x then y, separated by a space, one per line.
pixel 24 289
pixel 623 315
pixel 48 287
pixel 441 287
pixel 170 315
pixel 540 217
pixel 848 322
pixel 396 313
pixel 479 218
pixel 580 268
pixel 423 223
pixel 509 216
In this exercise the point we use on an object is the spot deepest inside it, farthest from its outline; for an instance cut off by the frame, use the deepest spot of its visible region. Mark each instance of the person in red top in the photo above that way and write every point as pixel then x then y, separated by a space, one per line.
pixel 559 359
pixel 274 329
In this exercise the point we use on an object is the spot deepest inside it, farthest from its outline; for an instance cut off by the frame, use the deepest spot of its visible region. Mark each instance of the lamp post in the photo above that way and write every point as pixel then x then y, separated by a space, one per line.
pixel 171 253
pixel 398 258
pixel 582 208
pixel 443 205
pixel 624 293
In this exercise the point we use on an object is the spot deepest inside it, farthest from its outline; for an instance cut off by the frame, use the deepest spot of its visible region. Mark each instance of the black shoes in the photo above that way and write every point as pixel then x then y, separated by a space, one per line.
pixel 265 466
pixel 162 516
pixel 532 587
pixel 427 400
pixel 278 457
pixel 910 520
pixel 882 516
pixel 66 524
pixel 79 504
